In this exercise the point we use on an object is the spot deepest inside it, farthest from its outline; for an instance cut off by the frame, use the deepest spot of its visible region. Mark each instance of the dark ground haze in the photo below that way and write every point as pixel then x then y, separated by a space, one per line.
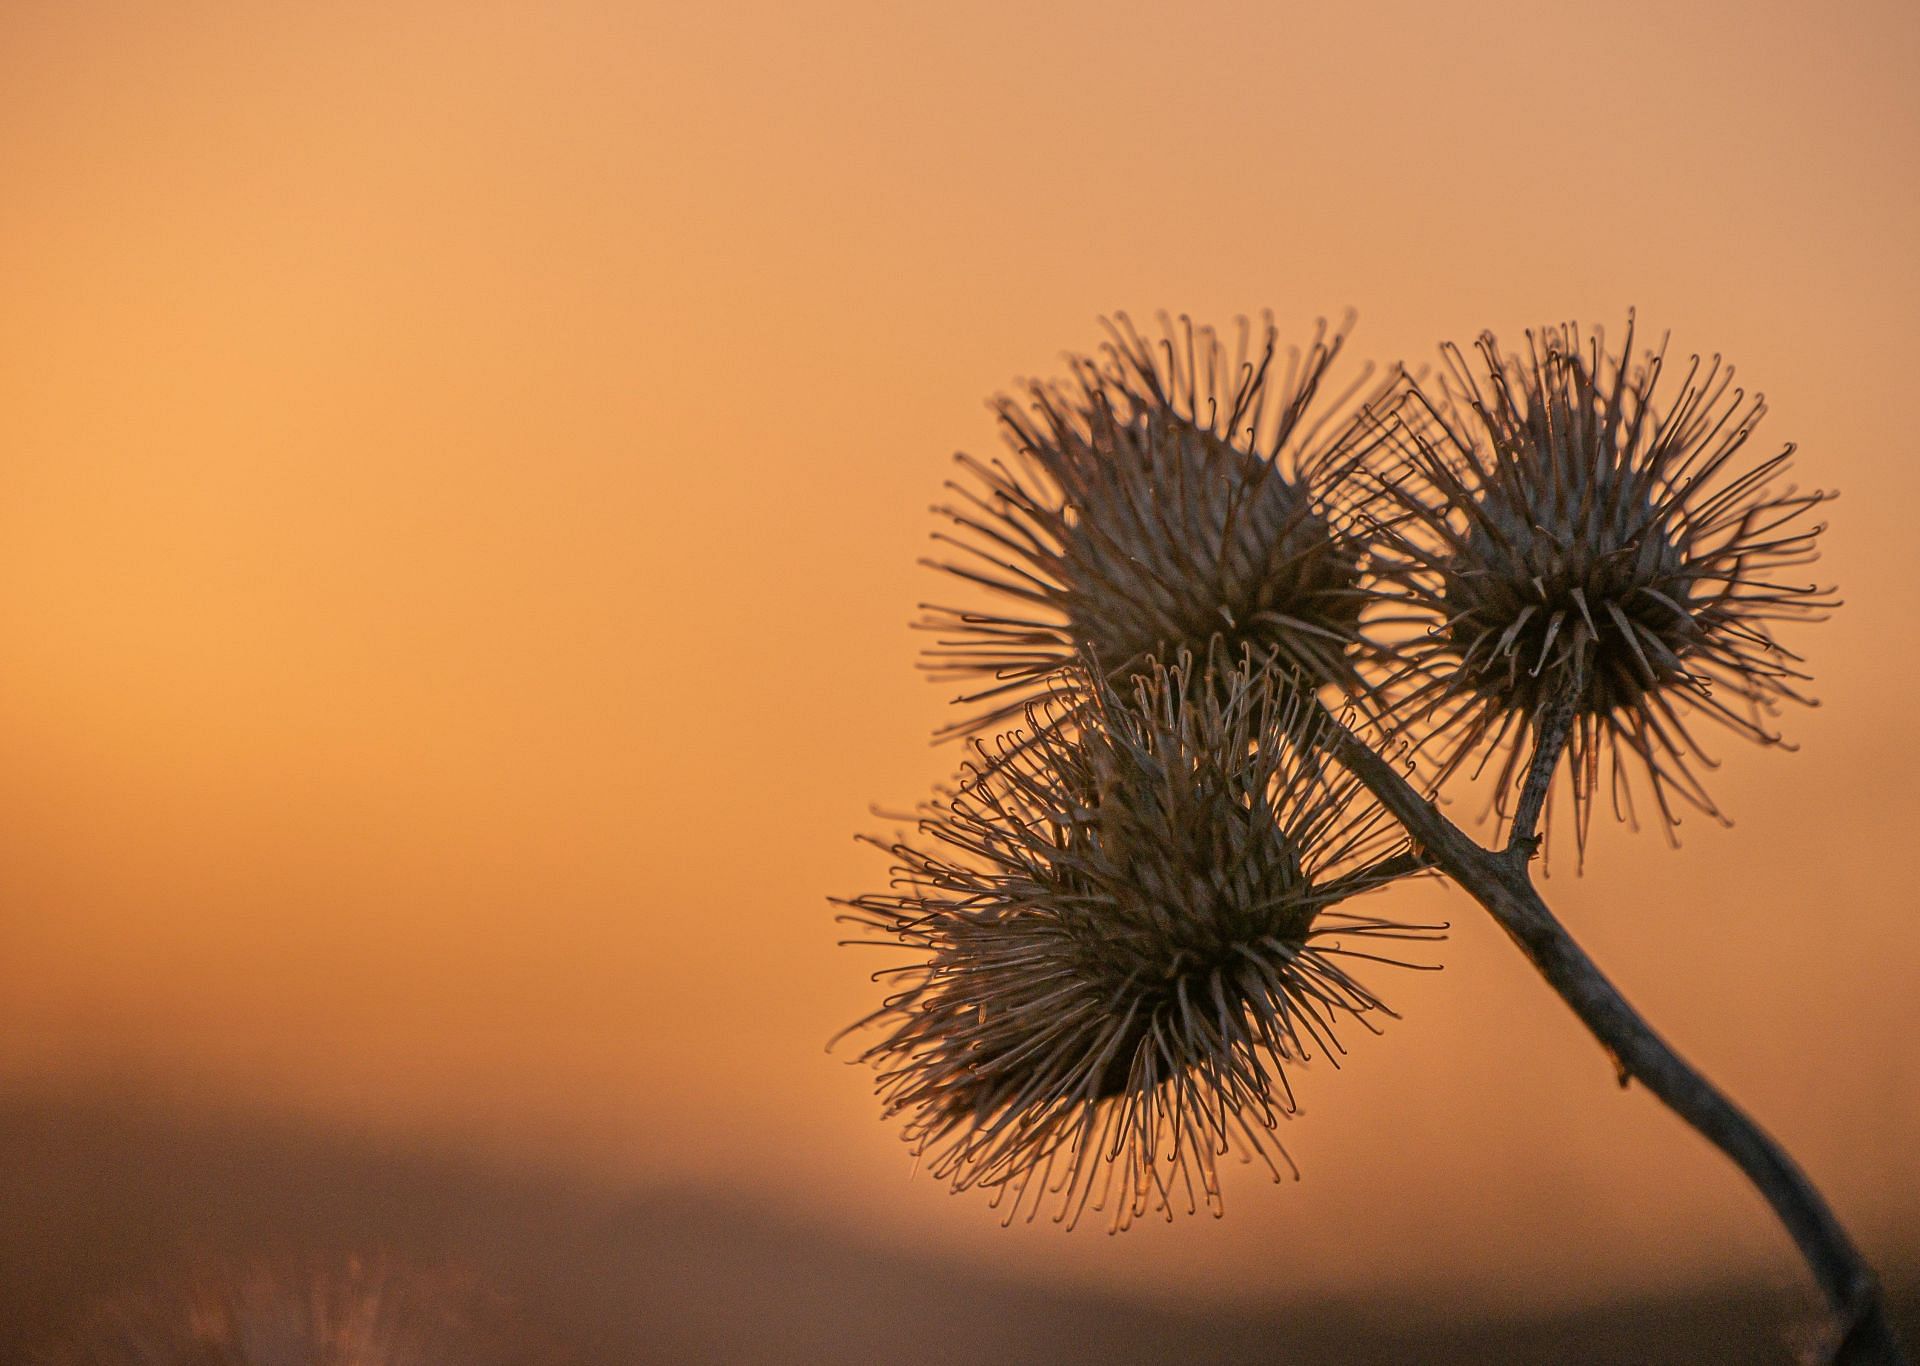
pixel 111 1204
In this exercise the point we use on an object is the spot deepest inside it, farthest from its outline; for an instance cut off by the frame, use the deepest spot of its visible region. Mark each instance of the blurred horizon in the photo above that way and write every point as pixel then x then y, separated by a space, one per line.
pixel 136 1221
pixel 466 468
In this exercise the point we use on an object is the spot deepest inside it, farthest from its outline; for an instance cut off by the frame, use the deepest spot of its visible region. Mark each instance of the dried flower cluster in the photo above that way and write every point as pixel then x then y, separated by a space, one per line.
pixel 1121 922
pixel 1165 498
pixel 1126 930
pixel 1562 529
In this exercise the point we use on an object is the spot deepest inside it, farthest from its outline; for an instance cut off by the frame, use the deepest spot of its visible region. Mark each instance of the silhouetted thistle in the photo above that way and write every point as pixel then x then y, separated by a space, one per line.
pixel 1565 534
pixel 1121 921
pixel 1124 931
pixel 1169 495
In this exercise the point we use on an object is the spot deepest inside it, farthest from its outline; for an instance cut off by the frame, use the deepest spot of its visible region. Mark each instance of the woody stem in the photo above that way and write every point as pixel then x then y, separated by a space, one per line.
pixel 1504 886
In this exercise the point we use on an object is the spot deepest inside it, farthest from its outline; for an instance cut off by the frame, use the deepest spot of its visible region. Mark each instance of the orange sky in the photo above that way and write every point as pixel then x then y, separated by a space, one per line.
pixel 464 466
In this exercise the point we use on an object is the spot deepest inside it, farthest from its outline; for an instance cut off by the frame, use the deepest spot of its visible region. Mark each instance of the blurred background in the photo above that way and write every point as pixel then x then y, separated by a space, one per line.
pixel 464 467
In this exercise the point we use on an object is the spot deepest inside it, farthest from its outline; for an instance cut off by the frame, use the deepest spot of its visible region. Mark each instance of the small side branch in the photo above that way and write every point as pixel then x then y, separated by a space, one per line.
pixel 1552 729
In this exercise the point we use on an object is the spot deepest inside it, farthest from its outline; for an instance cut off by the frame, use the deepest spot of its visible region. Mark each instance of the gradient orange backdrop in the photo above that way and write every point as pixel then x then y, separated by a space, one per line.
pixel 464 464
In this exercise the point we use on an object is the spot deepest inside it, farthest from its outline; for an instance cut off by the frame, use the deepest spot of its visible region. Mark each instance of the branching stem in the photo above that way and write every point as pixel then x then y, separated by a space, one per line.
pixel 1503 885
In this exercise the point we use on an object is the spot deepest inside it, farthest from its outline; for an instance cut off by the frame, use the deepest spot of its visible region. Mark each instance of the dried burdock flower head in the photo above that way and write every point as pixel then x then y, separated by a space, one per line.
pixel 1171 494
pixel 1568 537
pixel 1121 931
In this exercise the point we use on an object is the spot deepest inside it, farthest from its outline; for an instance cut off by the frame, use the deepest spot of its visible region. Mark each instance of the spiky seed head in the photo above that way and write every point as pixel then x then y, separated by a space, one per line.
pixel 1167 496
pixel 1563 527
pixel 1121 931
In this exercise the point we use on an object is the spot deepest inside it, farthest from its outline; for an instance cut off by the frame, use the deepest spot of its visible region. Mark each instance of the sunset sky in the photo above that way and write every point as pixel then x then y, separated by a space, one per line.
pixel 463 472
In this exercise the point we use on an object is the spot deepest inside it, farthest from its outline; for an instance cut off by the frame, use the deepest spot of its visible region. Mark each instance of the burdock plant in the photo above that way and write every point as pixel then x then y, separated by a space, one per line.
pixel 1124 929
pixel 1128 919
pixel 1583 552
pixel 1169 495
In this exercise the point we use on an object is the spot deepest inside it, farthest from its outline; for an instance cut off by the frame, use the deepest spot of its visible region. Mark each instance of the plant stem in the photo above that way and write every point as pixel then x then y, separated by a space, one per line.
pixel 1552 730
pixel 1504 887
